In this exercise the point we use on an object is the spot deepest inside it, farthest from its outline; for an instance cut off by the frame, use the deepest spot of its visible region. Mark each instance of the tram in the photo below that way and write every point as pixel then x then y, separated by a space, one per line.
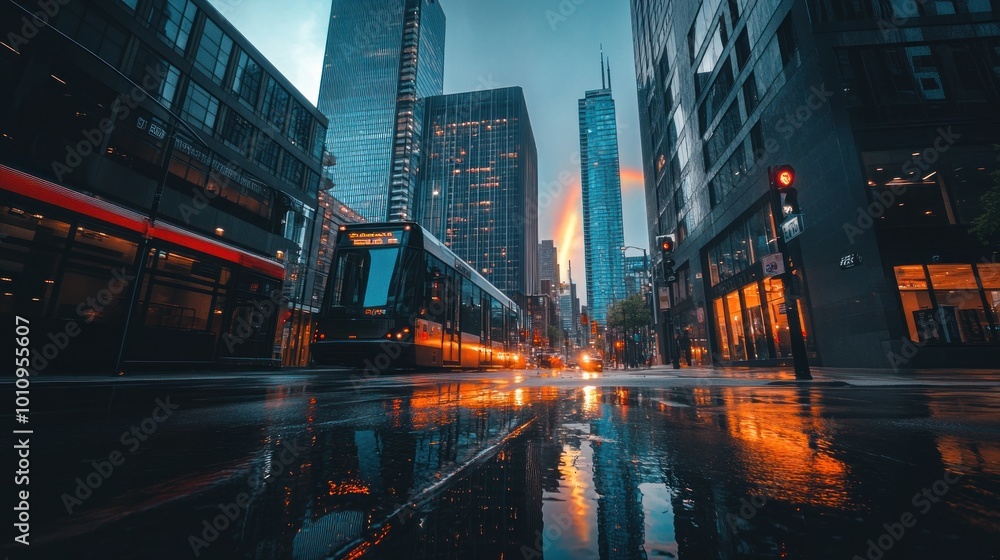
pixel 397 298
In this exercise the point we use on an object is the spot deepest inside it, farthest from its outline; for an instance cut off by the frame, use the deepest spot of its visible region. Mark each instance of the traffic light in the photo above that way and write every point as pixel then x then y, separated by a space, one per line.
pixel 784 177
pixel 666 243
pixel 783 180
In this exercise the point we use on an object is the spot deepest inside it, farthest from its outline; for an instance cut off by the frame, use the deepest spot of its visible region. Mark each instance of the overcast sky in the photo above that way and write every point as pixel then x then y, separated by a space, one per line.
pixel 551 48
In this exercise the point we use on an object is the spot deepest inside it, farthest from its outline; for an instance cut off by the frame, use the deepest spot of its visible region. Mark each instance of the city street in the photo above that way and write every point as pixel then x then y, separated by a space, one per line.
pixel 691 464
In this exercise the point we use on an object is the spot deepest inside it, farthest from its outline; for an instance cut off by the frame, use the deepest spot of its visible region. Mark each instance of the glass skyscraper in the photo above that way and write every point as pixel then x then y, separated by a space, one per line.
pixel 479 185
pixel 381 57
pixel 603 234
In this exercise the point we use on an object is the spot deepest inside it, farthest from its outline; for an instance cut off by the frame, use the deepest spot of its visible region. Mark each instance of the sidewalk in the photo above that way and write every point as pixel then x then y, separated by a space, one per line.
pixel 859 377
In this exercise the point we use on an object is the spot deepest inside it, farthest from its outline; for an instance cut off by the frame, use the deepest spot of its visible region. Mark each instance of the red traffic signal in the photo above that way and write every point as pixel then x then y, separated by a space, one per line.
pixel 666 243
pixel 784 177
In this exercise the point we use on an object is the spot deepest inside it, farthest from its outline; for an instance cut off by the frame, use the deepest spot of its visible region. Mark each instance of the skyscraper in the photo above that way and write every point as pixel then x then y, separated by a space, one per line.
pixel 479 185
pixel 548 262
pixel 603 234
pixel 381 57
pixel 548 269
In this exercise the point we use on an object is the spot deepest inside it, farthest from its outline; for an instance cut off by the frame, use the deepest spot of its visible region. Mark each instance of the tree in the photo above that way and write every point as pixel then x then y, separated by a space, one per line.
pixel 630 313
pixel 987 226
pixel 555 336
pixel 628 317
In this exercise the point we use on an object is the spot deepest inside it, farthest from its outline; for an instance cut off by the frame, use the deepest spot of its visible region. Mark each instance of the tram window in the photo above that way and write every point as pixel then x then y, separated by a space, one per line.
pixel 364 277
pixel 469 320
pixel 434 289
pixel 408 284
pixel 496 321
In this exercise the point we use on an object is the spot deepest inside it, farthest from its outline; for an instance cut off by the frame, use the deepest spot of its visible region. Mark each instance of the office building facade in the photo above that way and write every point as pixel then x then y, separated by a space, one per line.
pixel 479 185
pixel 382 56
pixel 888 112
pixel 603 228
pixel 151 158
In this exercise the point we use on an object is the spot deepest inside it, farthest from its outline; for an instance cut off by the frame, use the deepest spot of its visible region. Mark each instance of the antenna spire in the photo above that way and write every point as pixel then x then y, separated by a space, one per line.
pixel 609 73
pixel 602 66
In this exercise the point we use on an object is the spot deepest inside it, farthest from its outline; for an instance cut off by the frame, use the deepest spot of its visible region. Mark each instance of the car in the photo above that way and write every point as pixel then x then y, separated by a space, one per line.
pixel 549 360
pixel 592 362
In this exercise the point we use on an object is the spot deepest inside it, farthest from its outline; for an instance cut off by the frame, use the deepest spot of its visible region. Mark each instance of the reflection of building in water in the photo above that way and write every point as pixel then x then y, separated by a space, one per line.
pixel 616 479
pixel 764 473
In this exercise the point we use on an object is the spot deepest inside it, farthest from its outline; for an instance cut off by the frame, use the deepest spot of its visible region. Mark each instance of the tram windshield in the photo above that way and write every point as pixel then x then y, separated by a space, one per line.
pixel 364 278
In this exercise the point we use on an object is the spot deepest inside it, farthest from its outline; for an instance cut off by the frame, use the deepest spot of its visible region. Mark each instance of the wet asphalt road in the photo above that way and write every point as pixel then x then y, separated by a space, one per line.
pixel 524 464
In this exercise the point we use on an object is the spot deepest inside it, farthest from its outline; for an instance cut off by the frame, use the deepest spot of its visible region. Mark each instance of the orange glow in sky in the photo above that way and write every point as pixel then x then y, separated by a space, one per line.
pixel 632 179
pixel 564 222
pixel 569 228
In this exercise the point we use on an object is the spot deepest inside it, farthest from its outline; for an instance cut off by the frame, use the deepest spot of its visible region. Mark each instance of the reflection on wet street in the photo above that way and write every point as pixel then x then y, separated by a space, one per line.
pixel 502 468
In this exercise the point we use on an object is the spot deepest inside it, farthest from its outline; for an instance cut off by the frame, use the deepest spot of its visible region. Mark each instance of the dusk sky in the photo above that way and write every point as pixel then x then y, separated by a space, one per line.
pixel 553 53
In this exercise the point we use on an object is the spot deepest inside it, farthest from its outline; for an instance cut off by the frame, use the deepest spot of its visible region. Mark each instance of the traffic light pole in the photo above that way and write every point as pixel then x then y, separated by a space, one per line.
pixel 800 354
pixel 675 352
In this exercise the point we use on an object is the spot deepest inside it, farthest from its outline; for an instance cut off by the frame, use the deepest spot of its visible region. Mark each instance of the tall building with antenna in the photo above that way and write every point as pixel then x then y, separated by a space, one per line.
pixel 603 230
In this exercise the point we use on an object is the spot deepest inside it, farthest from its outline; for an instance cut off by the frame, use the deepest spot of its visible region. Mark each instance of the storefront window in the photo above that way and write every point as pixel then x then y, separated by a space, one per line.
pixel 779 319
pixel 721 334
pixel 755 322
pixel 943 304
pixel 989 275
pixel 735 318
pixel 960 306
pixel 917 306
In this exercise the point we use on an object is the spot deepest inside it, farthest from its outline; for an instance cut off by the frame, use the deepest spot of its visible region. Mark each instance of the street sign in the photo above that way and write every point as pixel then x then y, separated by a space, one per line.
pixel 664 299
pixel 792 227
pixel 774 264
pixel 850 261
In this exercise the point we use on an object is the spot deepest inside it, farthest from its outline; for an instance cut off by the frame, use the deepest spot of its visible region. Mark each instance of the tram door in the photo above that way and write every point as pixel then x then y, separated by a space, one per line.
pixel 451 350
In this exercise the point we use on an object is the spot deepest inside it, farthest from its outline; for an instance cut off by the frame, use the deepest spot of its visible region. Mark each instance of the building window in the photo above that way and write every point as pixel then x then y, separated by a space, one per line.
pixel 247 80
pixel 749 240
pixel 299 126
pixel 266 153
pixel 742 50
pixel 786 39
pixel 213 52
pixel 275 105
pixel 292 170
pixel 319 141
pixel 237 132
pixel 150 69
pixel 200 107
pixel 172 20
pixel 943 303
